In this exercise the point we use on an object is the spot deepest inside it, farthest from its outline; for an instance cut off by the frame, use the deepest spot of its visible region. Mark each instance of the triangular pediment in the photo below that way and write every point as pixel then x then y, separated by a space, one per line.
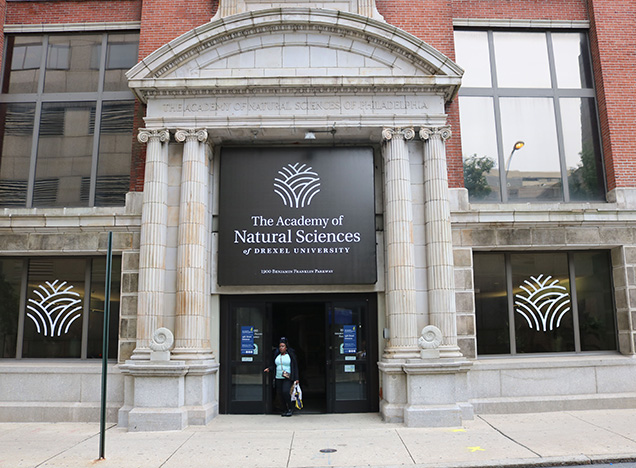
pixel 290 48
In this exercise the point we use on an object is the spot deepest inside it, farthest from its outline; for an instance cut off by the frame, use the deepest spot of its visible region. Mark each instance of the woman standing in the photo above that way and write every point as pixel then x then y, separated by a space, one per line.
pixel 286 366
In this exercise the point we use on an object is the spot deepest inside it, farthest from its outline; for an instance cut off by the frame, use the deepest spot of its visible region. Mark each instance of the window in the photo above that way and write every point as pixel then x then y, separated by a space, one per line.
pixel 528 117
pixel 66 120
pixel 544 302
pixel 45 311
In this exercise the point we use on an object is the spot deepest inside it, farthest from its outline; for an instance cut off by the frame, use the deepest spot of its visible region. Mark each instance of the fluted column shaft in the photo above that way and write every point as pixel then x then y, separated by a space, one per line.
pixel 398 231
pixel 152 246
pixel 192 323
pixel 439 246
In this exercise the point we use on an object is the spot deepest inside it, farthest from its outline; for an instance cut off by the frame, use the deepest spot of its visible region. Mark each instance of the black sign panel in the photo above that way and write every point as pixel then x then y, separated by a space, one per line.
pixel 296 216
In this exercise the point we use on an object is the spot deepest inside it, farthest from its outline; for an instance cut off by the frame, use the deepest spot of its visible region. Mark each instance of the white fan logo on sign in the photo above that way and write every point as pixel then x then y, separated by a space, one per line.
pixel 297 185
pixel 544 303
pixel 56 310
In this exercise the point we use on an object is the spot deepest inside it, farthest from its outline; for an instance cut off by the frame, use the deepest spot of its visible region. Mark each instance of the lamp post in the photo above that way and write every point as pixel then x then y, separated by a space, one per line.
pixel 518 145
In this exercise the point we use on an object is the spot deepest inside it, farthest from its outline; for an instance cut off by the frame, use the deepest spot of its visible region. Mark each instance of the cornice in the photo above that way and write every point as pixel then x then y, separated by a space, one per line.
pixel 297 86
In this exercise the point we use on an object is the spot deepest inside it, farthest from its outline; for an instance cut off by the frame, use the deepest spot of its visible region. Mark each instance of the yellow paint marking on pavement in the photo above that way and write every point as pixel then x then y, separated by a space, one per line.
pixel 459 430
pixel 476 449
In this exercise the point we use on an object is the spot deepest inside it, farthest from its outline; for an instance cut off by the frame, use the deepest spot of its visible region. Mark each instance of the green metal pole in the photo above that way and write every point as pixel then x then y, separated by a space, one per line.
pixel 102 418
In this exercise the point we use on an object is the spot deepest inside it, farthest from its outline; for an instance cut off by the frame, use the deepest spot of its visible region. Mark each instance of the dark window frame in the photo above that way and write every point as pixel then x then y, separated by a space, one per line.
pixel 554 92
pixel 99 97
pixel 577 314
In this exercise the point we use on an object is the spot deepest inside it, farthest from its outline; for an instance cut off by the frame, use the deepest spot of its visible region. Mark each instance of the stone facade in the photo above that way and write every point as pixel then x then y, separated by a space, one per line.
pixel 264 74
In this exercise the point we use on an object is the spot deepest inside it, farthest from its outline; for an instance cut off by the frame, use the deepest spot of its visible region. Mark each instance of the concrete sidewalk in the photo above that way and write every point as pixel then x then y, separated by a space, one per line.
pixel 320 440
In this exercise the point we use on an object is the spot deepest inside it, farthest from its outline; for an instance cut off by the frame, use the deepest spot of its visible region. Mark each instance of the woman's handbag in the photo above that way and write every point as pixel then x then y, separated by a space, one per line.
pixel 297 395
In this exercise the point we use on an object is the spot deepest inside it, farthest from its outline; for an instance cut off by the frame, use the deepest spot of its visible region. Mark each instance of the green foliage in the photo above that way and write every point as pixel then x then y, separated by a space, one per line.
pixel 475 170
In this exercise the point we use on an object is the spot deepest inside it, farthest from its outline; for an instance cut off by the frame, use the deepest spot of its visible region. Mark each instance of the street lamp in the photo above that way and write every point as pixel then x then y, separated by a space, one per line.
pixel 518 145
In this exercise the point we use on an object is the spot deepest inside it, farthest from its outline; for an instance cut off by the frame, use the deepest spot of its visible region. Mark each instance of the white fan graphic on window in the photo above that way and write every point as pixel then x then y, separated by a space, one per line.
pixel 56 310
pixel 298 185
pixel 544 304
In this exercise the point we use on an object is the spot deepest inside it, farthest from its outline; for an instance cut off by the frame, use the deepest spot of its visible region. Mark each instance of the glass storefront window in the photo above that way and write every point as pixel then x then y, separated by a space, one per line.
pixel 15 152
pixel 479 141
pixel 10 279
pixel 74 102
pixel 54 307
pixel 530 113
pixel 544 302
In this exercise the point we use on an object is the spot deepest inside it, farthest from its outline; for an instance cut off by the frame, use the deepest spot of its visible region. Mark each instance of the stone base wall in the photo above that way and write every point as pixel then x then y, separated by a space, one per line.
pixel 552 384
pixel 58 391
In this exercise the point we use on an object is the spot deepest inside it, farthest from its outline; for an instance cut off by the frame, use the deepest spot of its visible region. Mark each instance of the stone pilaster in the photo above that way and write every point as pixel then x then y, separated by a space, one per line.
pixel 439 247
pixel 152 248
pixel 400 257
pixel 192 325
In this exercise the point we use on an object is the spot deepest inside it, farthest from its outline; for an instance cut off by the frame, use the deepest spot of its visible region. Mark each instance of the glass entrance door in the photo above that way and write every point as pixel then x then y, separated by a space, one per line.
pixel 334 338
pixel 246 350
pixel 351 371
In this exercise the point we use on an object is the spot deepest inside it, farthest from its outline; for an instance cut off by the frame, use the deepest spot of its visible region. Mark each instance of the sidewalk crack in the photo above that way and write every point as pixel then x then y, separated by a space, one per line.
pixel 406 447
pixel 291 443
pixel 71 447
pixel 601 427
pixel 510 438
pixel 177 449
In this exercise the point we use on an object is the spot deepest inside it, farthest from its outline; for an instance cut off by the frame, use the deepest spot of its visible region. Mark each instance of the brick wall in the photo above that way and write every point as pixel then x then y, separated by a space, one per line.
pixel 613 40
pixel 164 20
pixel 85 11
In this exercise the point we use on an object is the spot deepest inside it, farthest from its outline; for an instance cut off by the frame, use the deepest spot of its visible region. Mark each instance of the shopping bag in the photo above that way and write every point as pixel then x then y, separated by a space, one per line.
pixel 297 395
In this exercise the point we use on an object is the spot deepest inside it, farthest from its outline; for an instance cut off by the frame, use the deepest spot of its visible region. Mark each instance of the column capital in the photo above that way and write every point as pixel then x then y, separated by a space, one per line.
pixel 443 132
pixel 182 135
pixel 406 133
pixel 146 134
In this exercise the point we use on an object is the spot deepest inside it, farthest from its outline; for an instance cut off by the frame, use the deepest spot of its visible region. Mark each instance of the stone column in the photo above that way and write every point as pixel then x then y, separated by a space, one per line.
pixel 192 326
pixel 400 257
pixel 152 248
pixel 439 246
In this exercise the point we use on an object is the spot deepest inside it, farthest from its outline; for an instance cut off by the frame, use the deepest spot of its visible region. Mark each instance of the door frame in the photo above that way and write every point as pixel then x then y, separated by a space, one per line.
pixel 228 302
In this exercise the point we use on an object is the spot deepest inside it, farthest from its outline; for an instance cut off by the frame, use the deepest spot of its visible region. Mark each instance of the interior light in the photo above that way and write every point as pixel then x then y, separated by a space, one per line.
pixel 310 136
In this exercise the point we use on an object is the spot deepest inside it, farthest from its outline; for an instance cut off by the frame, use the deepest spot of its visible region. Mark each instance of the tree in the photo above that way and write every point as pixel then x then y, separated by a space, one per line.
pixel 475 170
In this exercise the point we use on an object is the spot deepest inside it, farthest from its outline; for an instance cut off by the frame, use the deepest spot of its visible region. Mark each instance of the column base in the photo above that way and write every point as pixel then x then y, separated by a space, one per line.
pixel 157 419
pixel 429 392
pixel 168 395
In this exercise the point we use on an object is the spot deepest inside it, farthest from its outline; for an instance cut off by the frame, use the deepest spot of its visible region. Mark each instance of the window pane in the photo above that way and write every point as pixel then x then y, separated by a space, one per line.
pixel 96 312
pixel 71 64
pixel 471 51
pixel 542 303
pixel 582 149
pixel 65 150
pixel 123 50
pixel 115 147
pixel 25 55
pixel 479 148
pixel 571 59
pixel 594 298
pixel 521 60
pixel 491 304
pixel 533 171
pixel 53 321
pixel 15 152
pixel 10 279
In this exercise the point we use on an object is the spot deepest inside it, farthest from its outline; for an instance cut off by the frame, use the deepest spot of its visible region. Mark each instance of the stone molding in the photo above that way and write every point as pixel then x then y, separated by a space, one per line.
pixel 429 132
pixel 150 75
pixel 405 133
pixel 200 135
pixel 145 135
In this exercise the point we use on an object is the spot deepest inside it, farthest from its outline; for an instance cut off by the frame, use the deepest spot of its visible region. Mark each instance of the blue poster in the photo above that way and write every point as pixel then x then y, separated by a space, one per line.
pixel 350 339
pixel 247 340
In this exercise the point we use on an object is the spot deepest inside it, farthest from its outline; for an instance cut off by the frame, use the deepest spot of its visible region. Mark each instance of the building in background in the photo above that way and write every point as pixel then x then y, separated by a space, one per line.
pixel 434 202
